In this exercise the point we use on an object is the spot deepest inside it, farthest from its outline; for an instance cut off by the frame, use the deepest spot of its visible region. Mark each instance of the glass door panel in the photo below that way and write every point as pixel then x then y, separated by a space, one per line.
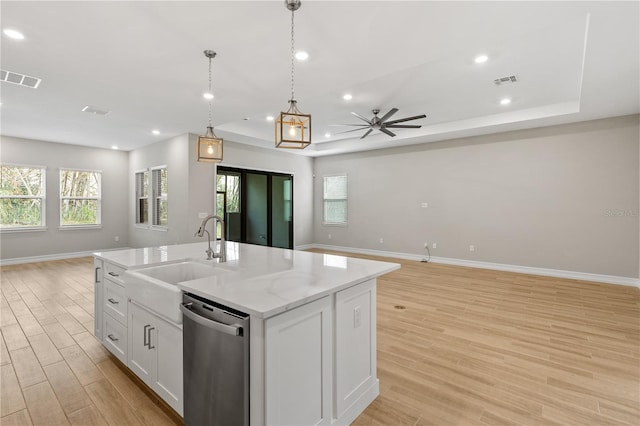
pixel 257 209
pixel 281 211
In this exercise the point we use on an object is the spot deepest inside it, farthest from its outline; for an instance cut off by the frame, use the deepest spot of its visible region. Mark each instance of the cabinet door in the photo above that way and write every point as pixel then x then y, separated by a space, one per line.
pixel 141 349
pixel 167 342
pixel 298 376
pixel 97 298
pixel 355 366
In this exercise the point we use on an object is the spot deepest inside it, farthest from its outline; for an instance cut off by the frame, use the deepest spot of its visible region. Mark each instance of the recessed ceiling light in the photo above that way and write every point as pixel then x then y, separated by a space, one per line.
pixel 155 132
pixel 481 59
pixel 114 147
pixel 269 117
pixel 347 96
pixel 301 55
pixel 505 101
pixel 208 96
pixel 327 135
pixel 14 34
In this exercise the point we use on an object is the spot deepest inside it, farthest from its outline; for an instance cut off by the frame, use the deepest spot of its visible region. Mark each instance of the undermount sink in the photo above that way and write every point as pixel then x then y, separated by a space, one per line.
pixel 155 287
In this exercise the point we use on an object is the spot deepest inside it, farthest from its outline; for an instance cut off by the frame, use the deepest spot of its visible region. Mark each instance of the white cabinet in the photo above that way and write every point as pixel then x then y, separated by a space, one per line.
pixel 97 298
pixel 110 309
pixel 155 354
pixel 298 375
pixel 356 375
pixel 115 337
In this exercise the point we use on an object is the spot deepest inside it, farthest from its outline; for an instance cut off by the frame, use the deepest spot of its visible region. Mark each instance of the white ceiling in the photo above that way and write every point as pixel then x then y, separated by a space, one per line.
pixel 143 61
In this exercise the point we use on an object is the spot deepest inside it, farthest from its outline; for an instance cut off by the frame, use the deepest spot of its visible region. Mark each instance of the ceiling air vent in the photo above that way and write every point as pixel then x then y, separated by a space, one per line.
pixel 95 110
pixel 19 79
pixel 505 80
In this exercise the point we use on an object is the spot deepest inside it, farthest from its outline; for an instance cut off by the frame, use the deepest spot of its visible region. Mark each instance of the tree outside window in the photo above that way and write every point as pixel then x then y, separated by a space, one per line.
pixel 80 201
pixel 22 197
pixel 160 191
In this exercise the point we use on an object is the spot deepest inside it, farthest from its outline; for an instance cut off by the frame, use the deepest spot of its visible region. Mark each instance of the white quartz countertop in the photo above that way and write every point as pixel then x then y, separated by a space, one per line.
pixel 261 281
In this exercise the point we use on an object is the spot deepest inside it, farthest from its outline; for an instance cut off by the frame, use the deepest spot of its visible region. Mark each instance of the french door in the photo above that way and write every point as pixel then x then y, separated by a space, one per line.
pixel 257 206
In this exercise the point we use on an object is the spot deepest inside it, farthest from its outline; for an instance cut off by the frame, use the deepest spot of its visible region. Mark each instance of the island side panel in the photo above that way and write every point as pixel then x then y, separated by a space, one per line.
pixel 256 371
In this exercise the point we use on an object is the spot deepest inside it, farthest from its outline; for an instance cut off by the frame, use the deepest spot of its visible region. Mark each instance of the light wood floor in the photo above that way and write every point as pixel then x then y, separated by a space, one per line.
pixel 456 346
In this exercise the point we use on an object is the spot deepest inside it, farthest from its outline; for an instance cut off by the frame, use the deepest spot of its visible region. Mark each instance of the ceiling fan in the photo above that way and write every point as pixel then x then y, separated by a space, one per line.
pixel 381 123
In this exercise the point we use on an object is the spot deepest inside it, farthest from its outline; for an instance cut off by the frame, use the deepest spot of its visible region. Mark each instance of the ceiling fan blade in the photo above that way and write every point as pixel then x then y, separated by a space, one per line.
pixel 361 117
pixel 385 131
pixel 389 114
pixel 353 130
pixel 402 126
pixel 415 117
pixel 366 134
pixel 360 125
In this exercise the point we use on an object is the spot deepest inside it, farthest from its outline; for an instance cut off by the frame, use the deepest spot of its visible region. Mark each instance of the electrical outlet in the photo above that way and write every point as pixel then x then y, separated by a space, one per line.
pixel 381 240
pixel 116 238
pixel 426 245
pixel 424 205
pixel 472 248
pixel 357 317
pixel 434 245
pixel 329 236
pixel 202 215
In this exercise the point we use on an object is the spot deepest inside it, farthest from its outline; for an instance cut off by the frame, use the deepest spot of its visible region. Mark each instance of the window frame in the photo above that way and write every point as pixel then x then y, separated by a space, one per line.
pixel 345 199
pixel 98 199
pixel 138 192
pixel 43 200
pixel 158 197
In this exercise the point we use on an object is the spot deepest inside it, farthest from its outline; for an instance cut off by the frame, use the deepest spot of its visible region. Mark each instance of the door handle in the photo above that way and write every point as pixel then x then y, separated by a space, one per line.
pixel 96 274
pixel 112 338
pixel 150 330
pixel 146 342
pixel 113 274
pixel 113 301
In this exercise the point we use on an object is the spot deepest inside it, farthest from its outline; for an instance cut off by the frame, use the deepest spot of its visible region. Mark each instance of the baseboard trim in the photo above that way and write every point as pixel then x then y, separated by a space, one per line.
pixel 558 273
pixel 49 257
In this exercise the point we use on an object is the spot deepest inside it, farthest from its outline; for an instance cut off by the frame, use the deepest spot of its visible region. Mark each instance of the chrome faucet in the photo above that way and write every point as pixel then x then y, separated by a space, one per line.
pixel 222 255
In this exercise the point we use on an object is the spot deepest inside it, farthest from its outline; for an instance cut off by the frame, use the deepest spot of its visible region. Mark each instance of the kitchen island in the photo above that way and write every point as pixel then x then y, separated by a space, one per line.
pixel 312 324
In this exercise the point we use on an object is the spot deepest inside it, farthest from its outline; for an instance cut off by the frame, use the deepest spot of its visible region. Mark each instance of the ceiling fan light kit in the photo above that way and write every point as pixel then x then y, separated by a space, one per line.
pixel 209 145
pixel 293 128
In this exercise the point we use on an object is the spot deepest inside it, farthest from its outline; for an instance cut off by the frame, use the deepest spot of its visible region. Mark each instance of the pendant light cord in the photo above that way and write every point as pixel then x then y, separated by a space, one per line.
pixel 292 57
pixel 211 93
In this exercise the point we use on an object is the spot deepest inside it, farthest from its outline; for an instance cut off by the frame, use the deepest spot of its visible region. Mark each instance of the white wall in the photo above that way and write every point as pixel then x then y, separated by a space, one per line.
pixel 562 197
pixel 192 186
pixel 112 164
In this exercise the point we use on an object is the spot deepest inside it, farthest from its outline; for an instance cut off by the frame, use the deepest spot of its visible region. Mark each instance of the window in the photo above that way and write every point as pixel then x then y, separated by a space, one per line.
pixel 160 186
pixel 142 197
pixel 80 202
pixel 22 197
pixel 335 200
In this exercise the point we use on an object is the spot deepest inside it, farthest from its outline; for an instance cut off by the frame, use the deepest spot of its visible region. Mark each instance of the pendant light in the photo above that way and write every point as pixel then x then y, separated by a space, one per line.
pixel 293 128
pixel 209 145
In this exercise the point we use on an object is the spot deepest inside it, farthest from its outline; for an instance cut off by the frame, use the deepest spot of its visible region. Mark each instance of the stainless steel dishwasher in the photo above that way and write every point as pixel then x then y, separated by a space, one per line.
pixel 216 363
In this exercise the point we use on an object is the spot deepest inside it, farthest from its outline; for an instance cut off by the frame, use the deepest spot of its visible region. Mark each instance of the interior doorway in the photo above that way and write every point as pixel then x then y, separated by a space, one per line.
pixel 257 206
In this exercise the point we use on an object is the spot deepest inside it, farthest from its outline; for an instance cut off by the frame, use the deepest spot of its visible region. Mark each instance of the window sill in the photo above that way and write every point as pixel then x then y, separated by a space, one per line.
pixel 23 229
pixel 343 224
pixel 159 228
pixel 75 227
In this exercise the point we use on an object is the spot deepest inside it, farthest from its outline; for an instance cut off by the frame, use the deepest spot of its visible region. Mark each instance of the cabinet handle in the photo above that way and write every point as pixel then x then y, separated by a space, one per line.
pixel 96 274
pixel 113 339
pixel 113 274
pixel 113 301
pixel 150 330
pixel 146 343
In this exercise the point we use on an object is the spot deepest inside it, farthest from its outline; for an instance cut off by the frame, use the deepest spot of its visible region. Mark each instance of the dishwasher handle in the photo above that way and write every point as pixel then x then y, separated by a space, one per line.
pixel 234 330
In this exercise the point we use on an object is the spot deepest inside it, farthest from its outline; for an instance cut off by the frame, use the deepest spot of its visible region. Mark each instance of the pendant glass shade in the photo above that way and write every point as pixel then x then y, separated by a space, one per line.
pixel 293 129
pixel 210 147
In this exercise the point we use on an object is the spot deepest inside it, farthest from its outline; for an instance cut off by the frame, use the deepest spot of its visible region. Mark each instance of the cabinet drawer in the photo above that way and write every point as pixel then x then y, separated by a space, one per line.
pixel 113 272
pixel 115 301
pixel 115 338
